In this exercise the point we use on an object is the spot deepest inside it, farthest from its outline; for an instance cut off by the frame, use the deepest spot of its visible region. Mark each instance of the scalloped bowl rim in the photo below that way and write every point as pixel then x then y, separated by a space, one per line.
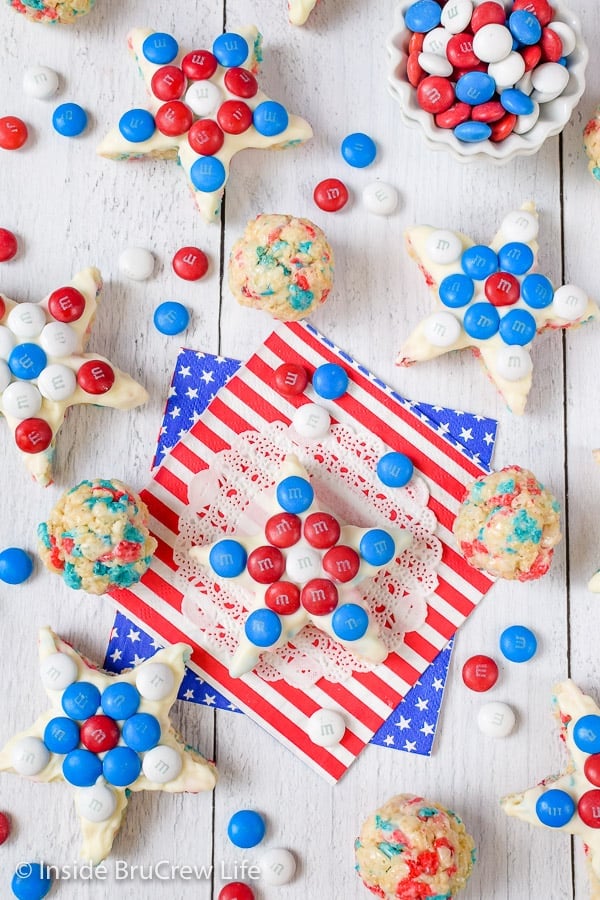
pixel 515 145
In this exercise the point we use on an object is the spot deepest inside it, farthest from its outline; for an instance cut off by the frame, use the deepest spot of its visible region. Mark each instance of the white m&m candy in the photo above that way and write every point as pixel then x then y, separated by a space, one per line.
pixel 549 81
pixel 5 375
pixel 326 727
pixel 7 342
pixel 57 382
pixel 162 764
pixel 456 15
pixel 570 302
pixel 312 421
pixel 40 82
pixel 96 803
pixel 496 719
pixel 443 247
pixel 520 226
pixel 277 866
pixel 435 64
pixel 492 43
pixel 21 400
pixel 203 97
pixel 380 198
pixel 136 263
pixel 566 35
pixel 442 329
pixel 155 681
pixel 513 362
pixel 436 41
pixel 26 319
pixel 58 671
pixel 508 71
pixel 59 339
pixel 302 564
pixel 526 123
pixel 29 756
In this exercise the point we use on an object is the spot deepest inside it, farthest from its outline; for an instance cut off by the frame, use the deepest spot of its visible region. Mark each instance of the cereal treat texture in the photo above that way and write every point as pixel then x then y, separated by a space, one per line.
pixel 97 537
pixel 411 848
pixel 508 525
pixel 282 265
pixel 53 11
pixel 591 143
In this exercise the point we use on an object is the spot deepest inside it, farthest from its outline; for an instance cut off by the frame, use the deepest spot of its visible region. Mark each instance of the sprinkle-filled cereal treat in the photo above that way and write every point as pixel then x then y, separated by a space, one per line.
pixel 411 848
pixel 508 525
pixel 53 12
pixel 282 265
pixel 97 537
pixel 108 736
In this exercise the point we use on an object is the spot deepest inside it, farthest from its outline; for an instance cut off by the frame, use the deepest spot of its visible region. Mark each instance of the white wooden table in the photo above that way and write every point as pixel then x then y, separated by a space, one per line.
pixel 72 209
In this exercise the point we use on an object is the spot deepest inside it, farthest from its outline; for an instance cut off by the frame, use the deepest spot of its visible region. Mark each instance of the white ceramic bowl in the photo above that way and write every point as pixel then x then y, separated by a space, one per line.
pixel 553 115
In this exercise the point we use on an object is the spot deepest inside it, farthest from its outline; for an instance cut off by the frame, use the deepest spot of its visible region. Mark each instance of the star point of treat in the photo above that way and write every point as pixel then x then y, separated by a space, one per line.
pixel 300 10
pixel 205 106
pixel 44 369
pixel 490 299
pixel 303 567
pixel 108 736
pixel 570 802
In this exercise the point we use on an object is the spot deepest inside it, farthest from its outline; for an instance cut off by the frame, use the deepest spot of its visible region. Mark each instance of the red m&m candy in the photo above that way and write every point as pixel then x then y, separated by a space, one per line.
pixel 414 71
pixel 4 827
pixel 234 116
pixel 541 9
pixel 342 563
pixel 435 94
pixel 236 890
pixel 290 379
pixel 13 133
pixel 319 597
pixel 491 111
pixel 33 435
pixel 502 128
pixel 502 289
pixel 66 304
pixel 283 597
pixel 174 118
pixel 488 13
pixel 321 530
pixel 241 82
pixel 458 113
pixel 591 769
pixel 480 673
pixel 168 83
pixel 205 137
pixel 460 51
pixel 415 44
pixel 531 55
pixel 99 734
pixel 199 65
pixel 96 377
pixel 8 245
pixel 589 809
pixel 190 263
pixel 266 565
pixel 551 44
pixel 331 195
pixel 283 530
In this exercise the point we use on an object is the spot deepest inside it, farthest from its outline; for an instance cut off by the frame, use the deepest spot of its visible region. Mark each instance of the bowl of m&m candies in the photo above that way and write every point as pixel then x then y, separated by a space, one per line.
pixel 487 79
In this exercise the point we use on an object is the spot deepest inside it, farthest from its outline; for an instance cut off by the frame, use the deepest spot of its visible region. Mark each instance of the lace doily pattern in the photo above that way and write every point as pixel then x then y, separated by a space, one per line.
pixel 226 498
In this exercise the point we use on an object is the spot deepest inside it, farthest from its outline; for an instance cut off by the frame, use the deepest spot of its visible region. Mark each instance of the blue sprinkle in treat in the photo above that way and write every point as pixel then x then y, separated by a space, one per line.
pixel 298 297
pixel 15 565
pixel 456 290
pixel 44 535
pixel 82 768
pixel 227 558
pixel 208 174
pixel 428 812
pixel 475 88
pixel 263 628
pixel 481 321
pixel 395 469
pixel 537 291
pixel 524 27
pixel 526 528
pixel 137 125
pixel 330 381
pixel 350 622
pixel 479 262
pixel 586 734
pixel 295 494
pixel 555 808
pixel 121 766
pixel 359 150
pixel 270 118
pixel 515 257
pixel 246 828
pixel 506 487
pixel 377 547
pixel 518 643
pixel 171 317
pixel 422 16
pixel 518 327
pixel 27 361
pixel 69 119
pixel 70 577
pixel 160 48
pixel 516 102
pixel 31 881
pixel 389 850
pixel 230 49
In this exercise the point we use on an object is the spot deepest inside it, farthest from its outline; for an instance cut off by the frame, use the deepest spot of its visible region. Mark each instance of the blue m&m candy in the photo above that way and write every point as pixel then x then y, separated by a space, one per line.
pixel 246 828
pixel 555 808
pixel 481 321
pixel 330 381
pixel 456 290
pixel 227 558
pixel 82 768
pixel 377 547
pixel 160 48
pixel 137 125
pixel 208 174
pixel 524 27
pixel 31 881
pixel 61 735
pixel 171 317
pixel 69 119
pixel 515 257
pixel 518 644
pixel 537 291
pixel 479 262
pixel 359 150
pixel 586 734
pixel 422 16
pixel 518 327
pixel 27 361
pixel 270 118
pixel 141 732
pixel 474 88
pixel 121 766
pixel 263 627
pixel 81 700
pixel 350 622
pixel 230 49
pixel 295 494
pixel 516 102
pixel 15 565
pixel 120 701
pixel 395 469
pixel 472 132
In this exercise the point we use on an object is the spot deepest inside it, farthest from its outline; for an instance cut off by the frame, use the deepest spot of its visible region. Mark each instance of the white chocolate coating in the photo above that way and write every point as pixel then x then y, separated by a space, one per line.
pixel 517 226
pixel 196 774
pixel 300 10
pixel 160 146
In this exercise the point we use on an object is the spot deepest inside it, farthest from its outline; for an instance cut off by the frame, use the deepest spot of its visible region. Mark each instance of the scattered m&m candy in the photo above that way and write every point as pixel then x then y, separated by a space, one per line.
pixel 171 317
pixel 496 719
pixel 290 379
pixel 277 866
pixel 326 727
pixel 236 890
pixel 4 828
pixel 40 82
pixel 330 381
pixel 480 673
pixel 15 565
pixel 69 119
pixel 331 195
pixel 8 245
pixel 246 828
pixel 13 133
pixel 136 263
pixel 380 198
pixel 31 881
pixel 190 263
pixel 395 469
pixel 312 421
pixel 359 150
pixel 518 644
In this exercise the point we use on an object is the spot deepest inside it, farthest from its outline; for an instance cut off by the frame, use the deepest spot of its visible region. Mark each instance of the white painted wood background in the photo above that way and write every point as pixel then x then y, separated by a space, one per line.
pixel 71 209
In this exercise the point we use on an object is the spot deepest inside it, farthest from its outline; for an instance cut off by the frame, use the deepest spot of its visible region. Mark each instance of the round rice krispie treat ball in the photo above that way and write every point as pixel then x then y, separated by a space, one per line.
pixel 53 11
pixel 508 525
pixel 281 265
pixel 412 848
pixel 97 537
pixel 591 142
